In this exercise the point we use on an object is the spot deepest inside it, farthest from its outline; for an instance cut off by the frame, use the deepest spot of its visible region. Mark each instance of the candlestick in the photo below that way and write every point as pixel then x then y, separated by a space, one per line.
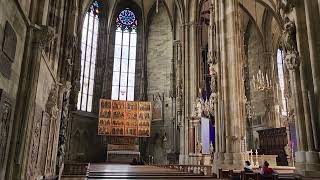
pixel 257 162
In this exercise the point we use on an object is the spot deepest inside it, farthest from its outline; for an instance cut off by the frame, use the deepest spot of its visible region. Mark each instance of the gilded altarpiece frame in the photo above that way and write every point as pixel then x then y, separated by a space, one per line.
pixel 124 118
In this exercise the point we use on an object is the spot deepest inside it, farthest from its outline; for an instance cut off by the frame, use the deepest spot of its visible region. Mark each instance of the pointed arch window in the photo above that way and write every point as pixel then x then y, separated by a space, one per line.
pixel 280 66
pixel 123 78
pixel 88 56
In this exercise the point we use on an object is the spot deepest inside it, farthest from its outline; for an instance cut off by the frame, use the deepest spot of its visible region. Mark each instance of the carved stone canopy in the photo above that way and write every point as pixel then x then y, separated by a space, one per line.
pixel 197 111
pixel 212 57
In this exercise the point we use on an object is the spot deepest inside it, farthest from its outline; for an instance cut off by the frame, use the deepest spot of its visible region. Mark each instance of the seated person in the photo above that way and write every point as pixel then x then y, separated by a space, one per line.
pixel 247 167
pixel 265 170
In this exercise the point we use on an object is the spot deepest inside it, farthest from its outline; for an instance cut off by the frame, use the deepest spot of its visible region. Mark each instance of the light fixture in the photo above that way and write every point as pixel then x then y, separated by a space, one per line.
pixel 157 6
pixel 261 81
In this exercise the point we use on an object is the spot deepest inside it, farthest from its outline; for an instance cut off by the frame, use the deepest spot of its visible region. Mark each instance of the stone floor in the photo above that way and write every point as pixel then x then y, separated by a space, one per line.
pixel 122 171
pixel 125 171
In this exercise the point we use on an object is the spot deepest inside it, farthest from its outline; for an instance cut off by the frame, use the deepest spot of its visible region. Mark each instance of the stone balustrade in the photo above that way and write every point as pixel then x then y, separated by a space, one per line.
pixel 78 169
pixel 194 169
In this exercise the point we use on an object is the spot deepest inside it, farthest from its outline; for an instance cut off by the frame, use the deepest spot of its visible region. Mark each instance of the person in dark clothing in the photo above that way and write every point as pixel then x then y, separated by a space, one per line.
pixel 247 167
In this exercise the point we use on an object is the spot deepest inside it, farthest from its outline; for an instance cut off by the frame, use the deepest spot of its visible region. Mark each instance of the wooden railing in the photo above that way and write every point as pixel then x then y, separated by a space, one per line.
pixel 194 169
pixel 72 169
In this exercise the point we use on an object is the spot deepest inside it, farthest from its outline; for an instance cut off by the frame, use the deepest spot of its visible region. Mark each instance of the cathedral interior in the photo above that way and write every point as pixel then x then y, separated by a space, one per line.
pixel 189 88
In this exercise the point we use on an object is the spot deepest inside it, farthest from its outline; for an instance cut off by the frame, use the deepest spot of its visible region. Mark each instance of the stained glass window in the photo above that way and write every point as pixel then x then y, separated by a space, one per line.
pixel 124 56
pixel 281 82
pixel 126 20
pixel 88 56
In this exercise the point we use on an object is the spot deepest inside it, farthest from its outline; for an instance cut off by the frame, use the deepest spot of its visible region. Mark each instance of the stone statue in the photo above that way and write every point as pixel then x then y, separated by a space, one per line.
pixel 289 40
pixel 211 148
pixel 287 150
pixel 289 44
pixel 197 108
pixel 213 74
pixel 199 148
pixel 63 125
pixel 51 105
pixel 286 6
pixel 179 94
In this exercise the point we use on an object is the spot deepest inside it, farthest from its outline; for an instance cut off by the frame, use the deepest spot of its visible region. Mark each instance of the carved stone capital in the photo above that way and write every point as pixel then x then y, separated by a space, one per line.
pixel 292 61
pixel 44 36
pixel 286 6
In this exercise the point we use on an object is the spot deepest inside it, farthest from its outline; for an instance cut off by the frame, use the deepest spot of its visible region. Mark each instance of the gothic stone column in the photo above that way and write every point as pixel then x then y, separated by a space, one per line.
pixel 231 114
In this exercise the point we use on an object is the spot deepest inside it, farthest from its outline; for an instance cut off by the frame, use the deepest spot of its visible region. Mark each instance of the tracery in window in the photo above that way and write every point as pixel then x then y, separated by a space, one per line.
pixel 88 56
pixel 124 56
pixel 281 82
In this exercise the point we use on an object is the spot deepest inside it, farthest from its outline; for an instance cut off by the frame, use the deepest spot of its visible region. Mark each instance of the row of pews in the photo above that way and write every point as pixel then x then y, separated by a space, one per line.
pixel 82 171
pixel 242 175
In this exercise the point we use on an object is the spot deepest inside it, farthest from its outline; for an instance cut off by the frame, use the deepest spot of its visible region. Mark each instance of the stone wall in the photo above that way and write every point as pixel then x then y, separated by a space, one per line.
pixel 9 14
pixel 84 144
pixel 159 69
pixel 45 126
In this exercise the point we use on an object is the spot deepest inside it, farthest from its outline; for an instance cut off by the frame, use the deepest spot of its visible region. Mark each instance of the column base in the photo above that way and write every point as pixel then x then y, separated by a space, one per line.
pixel 219 157
pixel 312 161
pixel 228 161
pixel 183 159
pixel 237 160
pixel 218 162
pixel 228 158
pixel 308 164
pixel 308 174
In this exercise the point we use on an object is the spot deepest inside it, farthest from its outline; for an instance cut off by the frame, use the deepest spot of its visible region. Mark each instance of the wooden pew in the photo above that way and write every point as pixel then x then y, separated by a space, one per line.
pixel 223 174
pixel 231 174
pixel 267 177
pixel 248 175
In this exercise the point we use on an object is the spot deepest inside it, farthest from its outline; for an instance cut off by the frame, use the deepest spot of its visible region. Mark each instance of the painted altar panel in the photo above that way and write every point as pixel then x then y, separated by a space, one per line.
pixel 124 118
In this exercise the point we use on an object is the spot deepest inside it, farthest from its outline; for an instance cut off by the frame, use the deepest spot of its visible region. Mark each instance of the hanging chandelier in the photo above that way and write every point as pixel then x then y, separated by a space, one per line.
pixel 261 81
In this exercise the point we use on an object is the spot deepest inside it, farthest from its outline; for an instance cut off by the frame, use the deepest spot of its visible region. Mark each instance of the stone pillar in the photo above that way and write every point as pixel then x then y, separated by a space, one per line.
pixel 297 61
pixel 312 99
pixel 181 96
pixel 230 83
pixel 312 17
